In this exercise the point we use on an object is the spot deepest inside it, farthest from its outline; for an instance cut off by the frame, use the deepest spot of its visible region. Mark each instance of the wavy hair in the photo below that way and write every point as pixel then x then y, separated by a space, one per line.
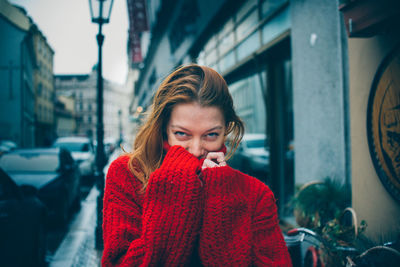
pixel 191 83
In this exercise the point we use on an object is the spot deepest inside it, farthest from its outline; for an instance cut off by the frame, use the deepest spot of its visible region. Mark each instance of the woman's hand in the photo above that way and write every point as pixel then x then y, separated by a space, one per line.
pixel 214 159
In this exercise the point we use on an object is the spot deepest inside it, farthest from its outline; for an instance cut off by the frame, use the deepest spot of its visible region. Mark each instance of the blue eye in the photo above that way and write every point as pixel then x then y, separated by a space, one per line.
pixel 179 133
pixel 212 136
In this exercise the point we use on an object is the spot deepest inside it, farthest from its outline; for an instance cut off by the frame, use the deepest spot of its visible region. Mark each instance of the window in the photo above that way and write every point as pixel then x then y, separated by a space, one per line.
pixel 247 25
pixel 250 45
pixel 226 43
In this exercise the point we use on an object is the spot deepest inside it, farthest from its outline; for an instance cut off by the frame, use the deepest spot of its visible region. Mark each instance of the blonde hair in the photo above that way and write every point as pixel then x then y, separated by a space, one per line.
pixel 192 83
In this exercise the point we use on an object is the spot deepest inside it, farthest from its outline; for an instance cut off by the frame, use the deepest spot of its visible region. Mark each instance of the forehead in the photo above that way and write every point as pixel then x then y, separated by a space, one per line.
pixel 193 115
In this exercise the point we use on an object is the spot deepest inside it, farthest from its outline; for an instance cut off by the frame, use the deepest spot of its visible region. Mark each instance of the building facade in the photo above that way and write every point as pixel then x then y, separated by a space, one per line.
pixel 298 71
pixel 259 47
pixel 64 115
pixel 17 65
pixel 83 88
pixel 44 90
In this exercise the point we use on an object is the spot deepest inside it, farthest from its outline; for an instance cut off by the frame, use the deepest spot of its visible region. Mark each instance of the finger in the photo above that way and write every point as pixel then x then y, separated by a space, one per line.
pixel 219 156
pixel 209 164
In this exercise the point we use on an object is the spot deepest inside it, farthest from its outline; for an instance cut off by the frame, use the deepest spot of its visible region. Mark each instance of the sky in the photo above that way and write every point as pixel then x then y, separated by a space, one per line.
pixel 67 26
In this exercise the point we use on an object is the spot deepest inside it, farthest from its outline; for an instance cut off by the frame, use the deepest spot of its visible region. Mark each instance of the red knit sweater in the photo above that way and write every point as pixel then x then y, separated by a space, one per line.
pixel 219 217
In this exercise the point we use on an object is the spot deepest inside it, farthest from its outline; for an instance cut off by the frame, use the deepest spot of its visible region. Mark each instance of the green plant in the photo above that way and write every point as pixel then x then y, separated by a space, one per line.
pixel 321 206
pixel 318 202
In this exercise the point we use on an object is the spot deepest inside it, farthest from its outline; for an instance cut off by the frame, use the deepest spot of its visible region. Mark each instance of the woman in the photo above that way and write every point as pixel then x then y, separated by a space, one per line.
pixel 174 201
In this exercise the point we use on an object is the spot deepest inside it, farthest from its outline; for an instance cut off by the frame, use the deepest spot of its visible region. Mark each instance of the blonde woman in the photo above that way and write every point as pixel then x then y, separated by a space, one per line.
pixel 174 201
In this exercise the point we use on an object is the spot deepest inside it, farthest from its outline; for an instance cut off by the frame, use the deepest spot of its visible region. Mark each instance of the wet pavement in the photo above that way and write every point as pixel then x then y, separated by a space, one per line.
pixel 78 245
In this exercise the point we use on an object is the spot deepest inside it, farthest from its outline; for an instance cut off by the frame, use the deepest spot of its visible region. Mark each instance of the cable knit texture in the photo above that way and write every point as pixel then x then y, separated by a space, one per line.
pixel 224 218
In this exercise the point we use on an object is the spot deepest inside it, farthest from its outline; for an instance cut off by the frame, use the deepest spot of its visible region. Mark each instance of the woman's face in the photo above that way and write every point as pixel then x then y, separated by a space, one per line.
pixel 198 129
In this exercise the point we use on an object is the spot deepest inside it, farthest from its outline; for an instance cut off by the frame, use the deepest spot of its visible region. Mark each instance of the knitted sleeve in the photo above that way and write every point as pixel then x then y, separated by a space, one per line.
pixel 240 223
pixel 224 237
pixel 164 229
pixel 269 247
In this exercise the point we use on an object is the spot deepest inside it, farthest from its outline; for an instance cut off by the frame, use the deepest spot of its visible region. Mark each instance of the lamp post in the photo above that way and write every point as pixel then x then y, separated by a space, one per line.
pixel 100 11
pixel 120 127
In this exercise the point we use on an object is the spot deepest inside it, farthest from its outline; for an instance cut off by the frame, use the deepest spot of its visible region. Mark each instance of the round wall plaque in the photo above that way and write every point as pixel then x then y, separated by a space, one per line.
pixel 383 123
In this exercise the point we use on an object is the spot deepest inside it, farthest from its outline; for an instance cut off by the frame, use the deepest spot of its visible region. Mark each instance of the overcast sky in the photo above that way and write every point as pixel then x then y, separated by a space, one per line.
pixel 70 32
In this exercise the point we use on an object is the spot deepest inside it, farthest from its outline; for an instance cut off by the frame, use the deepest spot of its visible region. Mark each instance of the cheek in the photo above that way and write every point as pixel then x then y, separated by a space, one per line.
pixel 215 146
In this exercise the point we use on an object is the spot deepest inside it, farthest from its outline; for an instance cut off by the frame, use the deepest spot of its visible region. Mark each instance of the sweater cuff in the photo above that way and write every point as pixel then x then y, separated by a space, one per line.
pixel 178 158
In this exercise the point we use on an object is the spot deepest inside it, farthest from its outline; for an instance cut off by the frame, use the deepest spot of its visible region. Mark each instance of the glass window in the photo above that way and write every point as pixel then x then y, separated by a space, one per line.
pixel 245 9
pixel 211 57
pixel 250 45
pixel 226 43
pixel 228 27
pixel 210 44
pixel 247 25
pixel 200 59
pixel 227 61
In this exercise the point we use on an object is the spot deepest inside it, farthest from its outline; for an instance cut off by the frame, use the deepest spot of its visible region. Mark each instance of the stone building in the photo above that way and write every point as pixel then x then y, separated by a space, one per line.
pixel 17 65
pixel 44 89
pixel 300 71
pixel 83 88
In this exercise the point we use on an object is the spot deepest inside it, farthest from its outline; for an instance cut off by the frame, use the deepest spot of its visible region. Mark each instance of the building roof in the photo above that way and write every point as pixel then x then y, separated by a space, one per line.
pixel 15 15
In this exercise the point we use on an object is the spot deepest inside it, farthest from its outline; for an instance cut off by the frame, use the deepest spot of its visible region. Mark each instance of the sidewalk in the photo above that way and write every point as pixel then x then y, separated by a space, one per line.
pixel 78 246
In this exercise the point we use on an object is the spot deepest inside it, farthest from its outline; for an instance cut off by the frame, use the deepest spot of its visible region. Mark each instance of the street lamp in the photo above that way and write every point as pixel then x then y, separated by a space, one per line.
pixel 100 11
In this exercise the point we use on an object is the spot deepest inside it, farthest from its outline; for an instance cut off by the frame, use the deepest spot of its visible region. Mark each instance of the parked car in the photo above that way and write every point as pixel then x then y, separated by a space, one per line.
pixel 252 155
pixel 83 152
pixel 22 225
pixel 52 172
pixel 7 146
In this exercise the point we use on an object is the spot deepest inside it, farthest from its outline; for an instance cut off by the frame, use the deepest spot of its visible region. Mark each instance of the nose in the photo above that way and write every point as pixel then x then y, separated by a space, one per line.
pixel 196 148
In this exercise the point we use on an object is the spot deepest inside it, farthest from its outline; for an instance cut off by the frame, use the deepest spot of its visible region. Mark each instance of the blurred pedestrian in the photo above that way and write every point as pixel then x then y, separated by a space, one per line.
pixel 174 201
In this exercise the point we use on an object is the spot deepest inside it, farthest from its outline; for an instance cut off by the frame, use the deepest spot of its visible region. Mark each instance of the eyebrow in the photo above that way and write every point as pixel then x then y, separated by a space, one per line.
pixel 209 130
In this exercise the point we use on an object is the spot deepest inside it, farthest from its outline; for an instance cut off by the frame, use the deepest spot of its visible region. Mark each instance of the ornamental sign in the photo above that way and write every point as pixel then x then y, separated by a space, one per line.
pixel 383 123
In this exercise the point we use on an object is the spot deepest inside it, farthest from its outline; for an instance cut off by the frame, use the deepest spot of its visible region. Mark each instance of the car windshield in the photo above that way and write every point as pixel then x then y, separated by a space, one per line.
pixel 255 143
pixel 29 162
pixel 73 146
